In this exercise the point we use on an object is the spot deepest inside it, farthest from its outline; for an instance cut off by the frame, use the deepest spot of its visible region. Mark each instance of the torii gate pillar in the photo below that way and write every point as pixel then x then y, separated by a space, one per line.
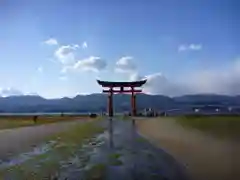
pixel 110 103
pixel 133 100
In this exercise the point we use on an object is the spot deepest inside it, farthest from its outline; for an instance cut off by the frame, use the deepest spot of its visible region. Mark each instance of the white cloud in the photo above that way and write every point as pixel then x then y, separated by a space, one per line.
pixel 5 92
pixel 65 54
pixel 125 64
pixel 135 77
pixel 91 63
pixel 51 41
pixel 189 47
pixel 225 81
pixel 84 45
pixel 40 69
pixel 159 84
pixel 31 94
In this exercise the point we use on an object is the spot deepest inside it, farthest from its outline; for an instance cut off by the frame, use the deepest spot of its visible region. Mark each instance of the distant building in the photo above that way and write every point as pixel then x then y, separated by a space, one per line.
pixel 196 110
pixel 150 112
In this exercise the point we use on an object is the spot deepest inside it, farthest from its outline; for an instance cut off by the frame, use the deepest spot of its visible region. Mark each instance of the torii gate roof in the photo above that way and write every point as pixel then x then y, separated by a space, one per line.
pixel 122 84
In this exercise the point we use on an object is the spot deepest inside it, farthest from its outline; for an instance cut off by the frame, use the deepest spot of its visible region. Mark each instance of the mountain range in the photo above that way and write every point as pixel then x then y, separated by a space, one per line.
pixel 98 102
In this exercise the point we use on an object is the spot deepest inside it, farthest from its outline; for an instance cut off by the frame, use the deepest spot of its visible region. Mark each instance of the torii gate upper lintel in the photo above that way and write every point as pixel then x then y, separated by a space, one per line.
pixel 121 85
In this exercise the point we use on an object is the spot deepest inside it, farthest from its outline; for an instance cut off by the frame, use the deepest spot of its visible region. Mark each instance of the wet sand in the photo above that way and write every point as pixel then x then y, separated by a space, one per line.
pixel 118 153
pixel 205 157
pixel 18 140
pixel 125 156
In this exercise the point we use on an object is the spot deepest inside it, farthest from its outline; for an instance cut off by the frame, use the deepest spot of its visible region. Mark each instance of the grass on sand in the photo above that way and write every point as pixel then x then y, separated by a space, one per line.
pixel 67 147
pixel 221 126
pixel 7 122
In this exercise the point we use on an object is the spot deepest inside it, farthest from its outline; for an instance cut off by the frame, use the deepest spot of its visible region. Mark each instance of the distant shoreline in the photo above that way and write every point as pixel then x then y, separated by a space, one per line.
pixel 43 113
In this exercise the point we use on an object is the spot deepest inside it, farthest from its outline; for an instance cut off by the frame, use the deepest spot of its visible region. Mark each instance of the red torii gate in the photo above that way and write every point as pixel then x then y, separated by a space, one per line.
pixel 111 85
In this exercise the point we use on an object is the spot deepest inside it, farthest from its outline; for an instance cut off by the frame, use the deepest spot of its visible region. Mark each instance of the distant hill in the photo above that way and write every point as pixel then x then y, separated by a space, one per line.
pixel 98 102
pixel 208 99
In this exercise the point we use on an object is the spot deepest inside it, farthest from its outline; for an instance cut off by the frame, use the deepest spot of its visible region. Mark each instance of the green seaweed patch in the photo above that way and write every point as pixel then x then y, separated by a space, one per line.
pixel 96 172
pixel 115 155
pixel 116 162
pixel 114 159
pixel 139 139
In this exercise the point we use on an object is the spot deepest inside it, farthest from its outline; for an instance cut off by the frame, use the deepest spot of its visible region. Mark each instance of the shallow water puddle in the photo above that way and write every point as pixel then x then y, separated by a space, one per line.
pixel 17 160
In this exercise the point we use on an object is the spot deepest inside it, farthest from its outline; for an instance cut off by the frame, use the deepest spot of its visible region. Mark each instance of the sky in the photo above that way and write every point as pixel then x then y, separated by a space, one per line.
pixel 59 48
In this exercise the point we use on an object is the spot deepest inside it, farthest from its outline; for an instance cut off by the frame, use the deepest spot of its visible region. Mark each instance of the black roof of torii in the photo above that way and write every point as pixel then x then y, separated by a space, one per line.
pixel 122 84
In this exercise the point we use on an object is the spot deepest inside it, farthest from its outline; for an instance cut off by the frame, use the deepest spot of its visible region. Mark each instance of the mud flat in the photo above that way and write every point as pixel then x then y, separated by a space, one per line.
pixel 205 156
pixel 16 121
pixel 17 140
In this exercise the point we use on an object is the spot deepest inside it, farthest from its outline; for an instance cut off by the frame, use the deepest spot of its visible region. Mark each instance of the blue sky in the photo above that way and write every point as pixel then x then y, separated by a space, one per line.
pixel 170 42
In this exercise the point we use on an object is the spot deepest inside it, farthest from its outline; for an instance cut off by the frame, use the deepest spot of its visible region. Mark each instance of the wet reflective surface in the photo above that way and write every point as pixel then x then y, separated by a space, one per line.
pixel 18 160
pixel 119 153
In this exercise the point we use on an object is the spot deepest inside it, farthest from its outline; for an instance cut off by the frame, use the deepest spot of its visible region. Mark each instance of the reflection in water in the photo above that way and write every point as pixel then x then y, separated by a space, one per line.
pixel 19 159
pixel 133 132
pixel 111 131
pixel 133 123
pixel 110 128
